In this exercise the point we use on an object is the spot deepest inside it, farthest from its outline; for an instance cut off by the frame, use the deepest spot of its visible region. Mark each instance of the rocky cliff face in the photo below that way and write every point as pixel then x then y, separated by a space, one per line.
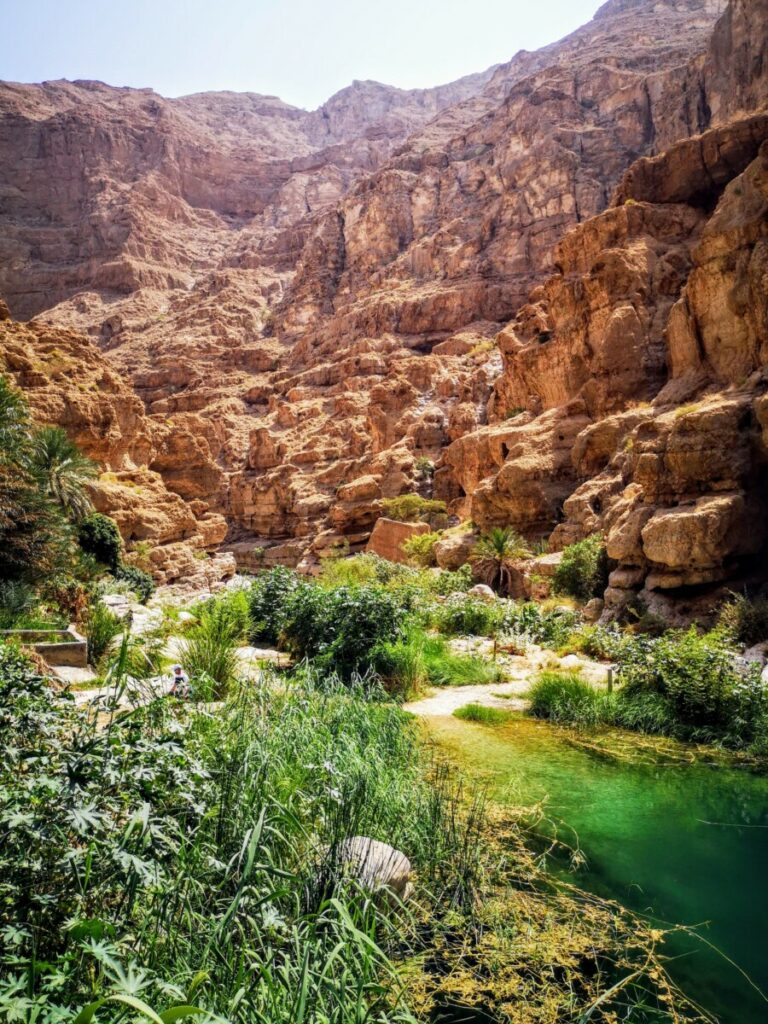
pixel 68 383
pixel 546 281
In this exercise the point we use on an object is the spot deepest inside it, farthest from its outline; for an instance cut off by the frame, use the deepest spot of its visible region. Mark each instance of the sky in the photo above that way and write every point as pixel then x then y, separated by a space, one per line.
pixel 300 50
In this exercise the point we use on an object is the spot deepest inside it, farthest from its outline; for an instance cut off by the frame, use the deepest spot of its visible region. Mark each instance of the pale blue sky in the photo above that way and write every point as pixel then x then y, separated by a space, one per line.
pixel 300 50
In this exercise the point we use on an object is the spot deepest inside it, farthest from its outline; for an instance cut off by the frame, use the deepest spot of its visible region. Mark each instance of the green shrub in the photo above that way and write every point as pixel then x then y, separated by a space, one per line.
pixel 583 571
pixel 17 600
pixel 402 665
pixel 340 629
pixel 421 549
pixel 531 622
pixel 445 667
pixel 209 651
pixel 709 695
pixel 349 572
pixel 564 697
pixel 101 628
pixel 267 599
pixel 99 536
pixel 463 615
pixel 746 620
pixel 483 715
pixel 412 508
pixel 137 579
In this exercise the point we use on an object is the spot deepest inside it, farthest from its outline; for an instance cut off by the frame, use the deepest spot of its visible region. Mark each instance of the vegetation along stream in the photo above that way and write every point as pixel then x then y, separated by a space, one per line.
pixel 680 843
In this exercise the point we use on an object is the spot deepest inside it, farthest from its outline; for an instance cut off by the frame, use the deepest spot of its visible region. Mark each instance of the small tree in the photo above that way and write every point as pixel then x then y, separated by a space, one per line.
pixel 62 471
pixel 494 556
pixel 99 536
pixel 583 570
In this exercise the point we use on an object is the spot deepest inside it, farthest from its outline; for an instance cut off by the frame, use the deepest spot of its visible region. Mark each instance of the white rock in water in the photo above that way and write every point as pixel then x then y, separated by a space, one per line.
pixel 376 865
pixel 482 591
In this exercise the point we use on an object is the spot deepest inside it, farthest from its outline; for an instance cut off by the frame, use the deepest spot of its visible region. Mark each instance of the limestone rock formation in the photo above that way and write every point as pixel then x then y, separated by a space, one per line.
pixel 69 384
pixel 537 294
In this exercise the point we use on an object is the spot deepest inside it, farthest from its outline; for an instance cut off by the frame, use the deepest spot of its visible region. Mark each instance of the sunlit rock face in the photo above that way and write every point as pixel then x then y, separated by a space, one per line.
pixel 546 281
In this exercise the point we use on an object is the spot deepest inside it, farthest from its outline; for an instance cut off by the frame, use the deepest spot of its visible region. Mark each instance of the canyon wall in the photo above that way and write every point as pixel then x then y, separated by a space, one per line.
pixel 544 283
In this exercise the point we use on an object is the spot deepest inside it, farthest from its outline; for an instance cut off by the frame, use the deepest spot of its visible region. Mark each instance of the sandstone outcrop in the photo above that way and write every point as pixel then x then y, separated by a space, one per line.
pixel 69 384
pixel 537 294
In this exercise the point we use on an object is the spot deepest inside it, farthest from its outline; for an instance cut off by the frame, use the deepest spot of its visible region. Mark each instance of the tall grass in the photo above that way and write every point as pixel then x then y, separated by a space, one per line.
pixel 209 652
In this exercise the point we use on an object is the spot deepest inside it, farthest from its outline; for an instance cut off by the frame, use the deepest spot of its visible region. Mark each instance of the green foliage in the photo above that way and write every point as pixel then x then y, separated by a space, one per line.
pixel 209 652
pixel 746 620
pixel 534 624
pixel 421 549
pixel 99 536
pixel 483 715
pixel 33 536
pixel 464 615
pixel 709 694
pixel 340 629
pixel 583 571
pixel 565 697
pixel 62 471
pixel 495 554
pixel 137 579
pixel 16 602
pixel 102 626
pixel 268 600
pixel 417 659
pixel 412 508
pixel 15 427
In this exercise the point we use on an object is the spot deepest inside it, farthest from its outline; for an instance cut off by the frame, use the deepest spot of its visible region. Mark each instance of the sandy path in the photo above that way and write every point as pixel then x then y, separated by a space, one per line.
pixel 449 699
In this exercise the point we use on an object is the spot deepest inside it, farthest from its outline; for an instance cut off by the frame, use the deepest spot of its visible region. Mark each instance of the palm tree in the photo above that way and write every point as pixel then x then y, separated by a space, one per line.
pixel 14 424
pixel 494 556
pixel 62 471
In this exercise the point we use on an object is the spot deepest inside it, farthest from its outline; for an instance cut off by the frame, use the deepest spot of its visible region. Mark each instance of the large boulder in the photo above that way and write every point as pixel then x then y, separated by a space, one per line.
pixel 454 550
pixel 388 538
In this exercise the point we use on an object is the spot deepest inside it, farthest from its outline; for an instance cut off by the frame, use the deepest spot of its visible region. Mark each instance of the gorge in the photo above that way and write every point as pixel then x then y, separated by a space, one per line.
pixel 399 472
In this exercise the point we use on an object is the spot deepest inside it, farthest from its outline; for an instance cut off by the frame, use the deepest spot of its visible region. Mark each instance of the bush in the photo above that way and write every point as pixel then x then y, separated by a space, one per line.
pixel 101 628
pixel 564 697
pixel 745 620
pixel 340 629
pixel 99 536
pixel 415 659
pixel 412 508
pixel 583 571
pixel 537 625
pixel 137 579
pixel 421 549
pixel 462 615
pixel 710 695
pixel 267 601
pixel 209 652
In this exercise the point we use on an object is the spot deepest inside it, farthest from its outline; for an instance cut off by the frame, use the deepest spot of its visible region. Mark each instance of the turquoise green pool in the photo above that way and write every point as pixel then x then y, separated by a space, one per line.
pixel 681 844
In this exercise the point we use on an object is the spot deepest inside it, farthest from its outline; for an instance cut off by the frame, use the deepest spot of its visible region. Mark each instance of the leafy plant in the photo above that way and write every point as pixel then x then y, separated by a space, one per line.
pixel 412 508
pixel 137 579
pixel 340 629
pixel 62 471
pixel 746 620
pixel 583 570
pixel 268 600
pixel 101 627
pixel 494 557
pixel 99 536
pixel 421 549
pixel 464 615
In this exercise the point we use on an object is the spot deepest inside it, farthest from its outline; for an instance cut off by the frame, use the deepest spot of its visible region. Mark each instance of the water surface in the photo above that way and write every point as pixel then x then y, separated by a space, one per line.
pixel 682 844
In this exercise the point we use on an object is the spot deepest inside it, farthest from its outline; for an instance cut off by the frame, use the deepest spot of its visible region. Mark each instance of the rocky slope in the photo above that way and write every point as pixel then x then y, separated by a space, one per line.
pixel 68 382
pixel 547 281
